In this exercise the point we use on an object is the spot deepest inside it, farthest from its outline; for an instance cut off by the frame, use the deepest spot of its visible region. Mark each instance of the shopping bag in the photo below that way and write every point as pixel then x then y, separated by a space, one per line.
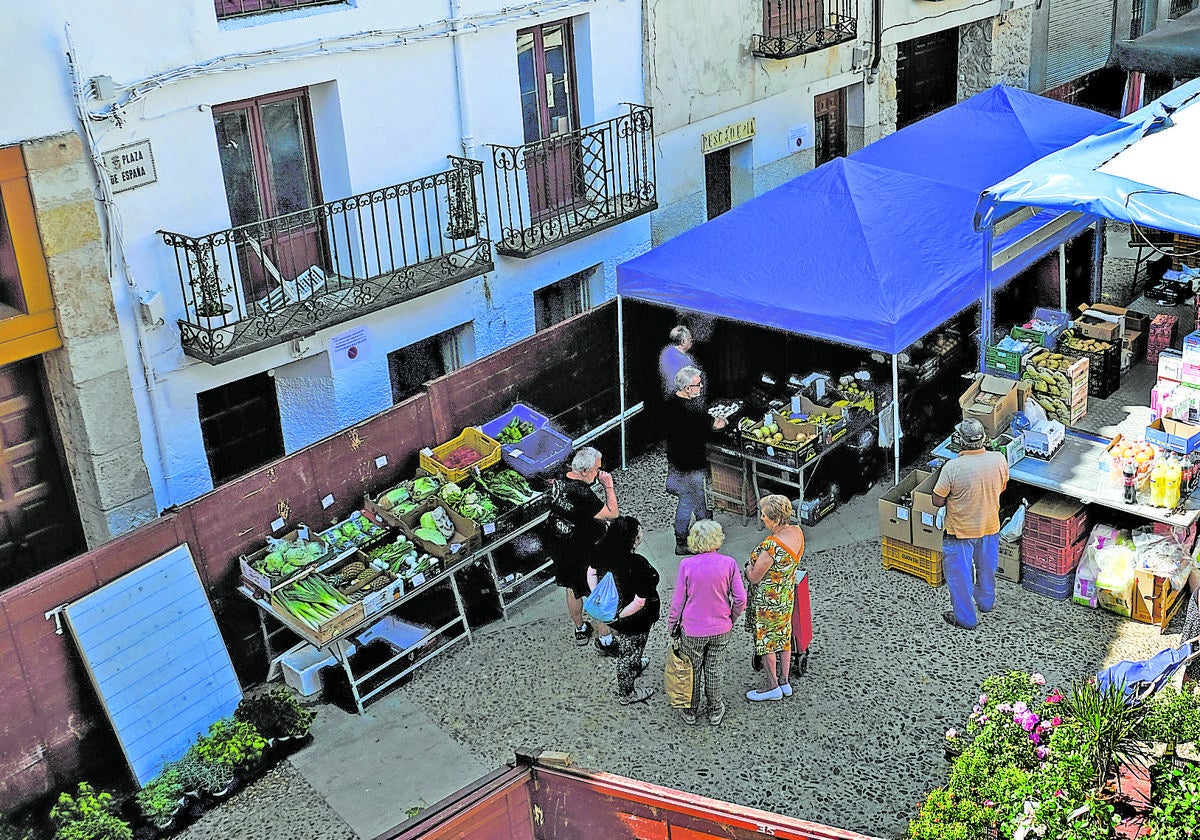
pixel 602 603
pixel 1011 531
pixel 678 677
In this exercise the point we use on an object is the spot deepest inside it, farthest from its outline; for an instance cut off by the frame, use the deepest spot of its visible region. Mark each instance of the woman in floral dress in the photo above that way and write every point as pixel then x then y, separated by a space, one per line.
pixel 772 573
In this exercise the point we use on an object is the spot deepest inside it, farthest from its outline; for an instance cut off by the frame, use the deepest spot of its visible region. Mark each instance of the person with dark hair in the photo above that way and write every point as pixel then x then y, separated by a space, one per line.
pixel 638 604
pixel 969 488
pixel 688 426
pixel 573 529
pixel 675 356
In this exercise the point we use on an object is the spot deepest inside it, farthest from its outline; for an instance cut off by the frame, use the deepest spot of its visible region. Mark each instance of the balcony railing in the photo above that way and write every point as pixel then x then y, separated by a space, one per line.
pixel 574 184
pixel 795 27
pixel 242 8
pixel 261 284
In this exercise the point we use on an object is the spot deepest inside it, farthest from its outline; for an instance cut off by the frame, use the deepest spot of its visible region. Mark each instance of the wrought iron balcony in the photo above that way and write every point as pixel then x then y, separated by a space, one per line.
pixel 241 8
pixel 576 183
pixel 261 284
pixel 795 27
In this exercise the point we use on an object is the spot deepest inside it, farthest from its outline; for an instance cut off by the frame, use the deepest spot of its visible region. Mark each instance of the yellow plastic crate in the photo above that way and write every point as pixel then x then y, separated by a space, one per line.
pixel 922 562
pixel 471 438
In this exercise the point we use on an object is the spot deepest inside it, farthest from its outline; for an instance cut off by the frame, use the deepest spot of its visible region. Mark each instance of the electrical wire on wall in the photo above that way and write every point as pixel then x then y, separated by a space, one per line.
pixel 130 92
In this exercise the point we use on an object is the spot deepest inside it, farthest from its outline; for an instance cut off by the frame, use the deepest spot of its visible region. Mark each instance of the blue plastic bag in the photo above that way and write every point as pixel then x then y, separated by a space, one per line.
pixel 603 602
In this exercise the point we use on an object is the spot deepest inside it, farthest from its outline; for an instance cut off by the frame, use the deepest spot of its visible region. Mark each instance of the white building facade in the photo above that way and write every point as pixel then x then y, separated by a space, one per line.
pixel 298 211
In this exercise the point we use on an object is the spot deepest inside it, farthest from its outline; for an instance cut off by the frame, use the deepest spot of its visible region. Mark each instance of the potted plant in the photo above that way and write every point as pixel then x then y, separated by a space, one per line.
pixel 230 743
pixel 88 815
pixel 464 213
pixel 275 713
pixel 198 776
pixel 162 798
pixel 207 291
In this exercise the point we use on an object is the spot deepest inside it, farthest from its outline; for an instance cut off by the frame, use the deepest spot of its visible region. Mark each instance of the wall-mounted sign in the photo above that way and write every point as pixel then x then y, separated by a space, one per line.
pixel 799 138
pixel 711 141
pixel 347 347
pixel 130 166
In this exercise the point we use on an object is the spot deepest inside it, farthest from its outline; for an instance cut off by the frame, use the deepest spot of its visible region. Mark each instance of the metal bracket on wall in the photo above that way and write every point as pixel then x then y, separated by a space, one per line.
pixel 56 613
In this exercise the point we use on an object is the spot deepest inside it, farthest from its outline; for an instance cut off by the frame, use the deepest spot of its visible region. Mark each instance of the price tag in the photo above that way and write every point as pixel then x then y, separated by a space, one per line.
pixel 381 462
pixel 278 524
pixel 927 519
pixel 767 419
pixel 489 528
pixel 515 452
pixel 771 451
pixel 376 601
pixel 795 403
pixel 418 579
pixel 302 532
pixel 327 501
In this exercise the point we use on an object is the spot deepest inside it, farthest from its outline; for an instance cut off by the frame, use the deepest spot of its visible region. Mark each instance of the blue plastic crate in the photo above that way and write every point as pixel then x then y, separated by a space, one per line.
pixel 521 411
pixel 1058 587
pixel 538 452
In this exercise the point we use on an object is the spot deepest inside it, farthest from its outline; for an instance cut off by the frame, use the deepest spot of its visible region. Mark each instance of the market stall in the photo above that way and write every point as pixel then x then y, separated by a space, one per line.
pixel 872 251
pixel 340 589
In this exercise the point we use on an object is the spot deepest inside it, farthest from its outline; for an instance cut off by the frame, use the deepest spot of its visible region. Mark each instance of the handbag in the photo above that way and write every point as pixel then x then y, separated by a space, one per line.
pixel 677 679
pixel 603 602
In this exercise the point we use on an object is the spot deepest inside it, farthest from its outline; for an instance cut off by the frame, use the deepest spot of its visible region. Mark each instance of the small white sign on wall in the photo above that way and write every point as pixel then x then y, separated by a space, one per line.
pixel 130 166
pixel 348 347
pixel 799 138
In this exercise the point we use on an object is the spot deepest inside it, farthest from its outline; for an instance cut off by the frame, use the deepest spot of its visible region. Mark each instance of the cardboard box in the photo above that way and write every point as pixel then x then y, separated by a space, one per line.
pixel 1191 348
pixel 1010 561
pixel 1190 375
pixel 1101 329
pixel 267 584
pixel 1013 447
pixel 925 530
pixel 895 517
pixel 1173 434
pixel 1154 601
pixel 1044 438
pixel 992 401
pixel 1170 365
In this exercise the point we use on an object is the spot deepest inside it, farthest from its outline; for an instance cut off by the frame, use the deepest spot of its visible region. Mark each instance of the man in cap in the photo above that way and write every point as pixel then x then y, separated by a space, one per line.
pixel 969 487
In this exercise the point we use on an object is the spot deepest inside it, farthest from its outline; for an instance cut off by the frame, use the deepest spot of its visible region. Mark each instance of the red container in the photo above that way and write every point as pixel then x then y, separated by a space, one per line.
pixel 1055 558
pixel 1055 521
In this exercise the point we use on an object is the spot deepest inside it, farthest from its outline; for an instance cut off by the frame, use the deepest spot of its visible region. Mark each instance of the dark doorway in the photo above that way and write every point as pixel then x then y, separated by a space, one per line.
pixel 926 76
pixel 829 114
pixel 240 426
pixel 39 523
pixel 717 189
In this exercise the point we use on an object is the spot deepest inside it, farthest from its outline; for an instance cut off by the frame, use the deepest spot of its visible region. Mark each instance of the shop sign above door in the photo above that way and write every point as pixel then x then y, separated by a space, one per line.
pixel 130 166
pixel 711 141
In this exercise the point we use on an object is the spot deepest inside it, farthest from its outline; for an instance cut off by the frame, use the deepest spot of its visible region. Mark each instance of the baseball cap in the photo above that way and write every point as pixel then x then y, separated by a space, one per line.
pixel 971 433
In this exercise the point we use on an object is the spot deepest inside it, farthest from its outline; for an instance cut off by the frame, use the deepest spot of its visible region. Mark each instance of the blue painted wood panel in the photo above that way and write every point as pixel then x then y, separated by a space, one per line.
pixel 151 646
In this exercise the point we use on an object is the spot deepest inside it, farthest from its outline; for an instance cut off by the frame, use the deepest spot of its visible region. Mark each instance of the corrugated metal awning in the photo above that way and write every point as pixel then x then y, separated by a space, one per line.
pixel 1080 39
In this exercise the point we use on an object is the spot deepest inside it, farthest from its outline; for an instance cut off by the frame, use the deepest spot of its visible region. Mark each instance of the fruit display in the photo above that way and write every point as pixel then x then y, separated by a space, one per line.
pixel 1059 384
pixel 1075 341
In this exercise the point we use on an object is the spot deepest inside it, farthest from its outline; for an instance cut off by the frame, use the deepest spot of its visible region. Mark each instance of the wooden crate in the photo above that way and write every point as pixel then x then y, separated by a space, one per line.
pixel 1187 245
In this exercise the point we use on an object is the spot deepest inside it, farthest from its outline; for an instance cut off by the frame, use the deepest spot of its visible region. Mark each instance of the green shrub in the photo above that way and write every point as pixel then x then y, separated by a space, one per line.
pixel 88 815
pixel 1172 716
pixel 230 743
pixel 159 799
pixel 1175 814
pixel 275 713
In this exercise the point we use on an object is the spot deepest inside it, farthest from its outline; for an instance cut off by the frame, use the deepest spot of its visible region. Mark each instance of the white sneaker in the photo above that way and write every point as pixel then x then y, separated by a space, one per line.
pixel 755 696
pixel 787 689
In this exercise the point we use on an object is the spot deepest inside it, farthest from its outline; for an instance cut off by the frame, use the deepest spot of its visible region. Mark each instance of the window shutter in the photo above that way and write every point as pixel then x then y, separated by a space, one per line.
pixel 1080 39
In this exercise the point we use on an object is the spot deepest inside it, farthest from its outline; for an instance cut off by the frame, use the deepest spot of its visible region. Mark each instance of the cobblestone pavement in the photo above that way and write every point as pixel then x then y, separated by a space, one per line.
pixel 857 745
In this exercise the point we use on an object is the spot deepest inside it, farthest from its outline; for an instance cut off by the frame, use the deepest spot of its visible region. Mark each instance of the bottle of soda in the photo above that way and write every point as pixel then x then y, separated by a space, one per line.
pixel 1129 480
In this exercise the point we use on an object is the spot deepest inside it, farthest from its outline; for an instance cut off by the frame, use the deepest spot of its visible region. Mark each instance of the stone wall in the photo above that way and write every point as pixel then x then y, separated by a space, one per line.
pixel 88 377
pixel 994 50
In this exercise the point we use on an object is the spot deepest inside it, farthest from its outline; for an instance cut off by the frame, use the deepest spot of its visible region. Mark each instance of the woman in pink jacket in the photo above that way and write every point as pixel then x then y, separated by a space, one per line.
pixel 709 597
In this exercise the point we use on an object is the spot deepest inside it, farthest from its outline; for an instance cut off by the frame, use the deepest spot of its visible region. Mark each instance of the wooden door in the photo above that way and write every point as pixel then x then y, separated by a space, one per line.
pixel 926 76
pixel 39 524
pixel 549 113
pixel 829 110
pixel 270 174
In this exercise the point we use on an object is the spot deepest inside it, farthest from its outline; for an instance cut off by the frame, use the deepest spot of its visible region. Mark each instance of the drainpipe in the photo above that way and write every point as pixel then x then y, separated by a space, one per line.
pixel 877 38
pixel 460 78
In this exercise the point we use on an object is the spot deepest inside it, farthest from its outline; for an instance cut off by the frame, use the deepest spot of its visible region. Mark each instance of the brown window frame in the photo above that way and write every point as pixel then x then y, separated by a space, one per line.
pixel 227 9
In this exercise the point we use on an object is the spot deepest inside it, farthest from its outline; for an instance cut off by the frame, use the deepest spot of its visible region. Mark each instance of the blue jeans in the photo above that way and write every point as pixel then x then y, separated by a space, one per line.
pixel 689 487
pixel 970 569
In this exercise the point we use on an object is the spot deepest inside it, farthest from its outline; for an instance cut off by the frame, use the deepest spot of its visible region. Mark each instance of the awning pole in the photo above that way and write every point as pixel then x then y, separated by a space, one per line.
pixel 985 303
pixel 621 373
pixel 1097 260
pixel 1062 277
pixel 895 420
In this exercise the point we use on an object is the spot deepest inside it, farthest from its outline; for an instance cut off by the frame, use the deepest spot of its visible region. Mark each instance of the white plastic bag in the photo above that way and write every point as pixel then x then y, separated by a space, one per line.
pixel 1034 411
pixel 1010 531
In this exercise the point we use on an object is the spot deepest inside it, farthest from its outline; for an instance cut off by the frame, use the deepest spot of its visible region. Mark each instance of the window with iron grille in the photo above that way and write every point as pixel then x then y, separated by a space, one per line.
pixel 565 299
pixel 1179 8
pixel 240 425
pixel 829 117
pixel 241 8
pixel 1137 20
pixel 409 368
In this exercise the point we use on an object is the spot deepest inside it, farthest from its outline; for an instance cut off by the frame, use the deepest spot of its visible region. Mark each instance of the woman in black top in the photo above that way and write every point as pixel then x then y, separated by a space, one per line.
pixel 638 602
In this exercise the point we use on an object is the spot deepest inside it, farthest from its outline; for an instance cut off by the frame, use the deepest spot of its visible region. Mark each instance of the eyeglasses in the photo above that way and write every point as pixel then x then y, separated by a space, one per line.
pixel 694 385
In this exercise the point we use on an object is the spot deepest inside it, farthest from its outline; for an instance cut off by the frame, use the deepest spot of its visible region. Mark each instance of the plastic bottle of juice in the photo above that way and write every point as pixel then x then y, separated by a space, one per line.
pixel 1158 483
pixel 1171 493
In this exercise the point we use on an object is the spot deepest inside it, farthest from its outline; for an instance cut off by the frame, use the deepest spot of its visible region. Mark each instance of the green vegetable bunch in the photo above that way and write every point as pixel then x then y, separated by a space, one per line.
pixel 312 600
pixel 288 556
pixel 473 502
pixel 436 526
pixel 514 430
pixel 508 485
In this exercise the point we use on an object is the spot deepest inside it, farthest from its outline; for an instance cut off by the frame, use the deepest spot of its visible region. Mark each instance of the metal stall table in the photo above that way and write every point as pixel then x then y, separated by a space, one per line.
pixel 341 641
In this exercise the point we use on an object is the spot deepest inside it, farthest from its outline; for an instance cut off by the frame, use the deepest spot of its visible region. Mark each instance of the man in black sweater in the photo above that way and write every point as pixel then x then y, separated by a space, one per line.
pixel 688 426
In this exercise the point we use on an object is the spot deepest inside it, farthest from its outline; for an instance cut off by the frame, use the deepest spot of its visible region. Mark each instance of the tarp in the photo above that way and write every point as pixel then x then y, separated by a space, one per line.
pixel 1142 169
pixel 1171 49
pixel 874 250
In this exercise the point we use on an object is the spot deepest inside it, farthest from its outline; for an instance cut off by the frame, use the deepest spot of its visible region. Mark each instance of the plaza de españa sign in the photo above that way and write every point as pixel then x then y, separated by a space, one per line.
pixel 130 166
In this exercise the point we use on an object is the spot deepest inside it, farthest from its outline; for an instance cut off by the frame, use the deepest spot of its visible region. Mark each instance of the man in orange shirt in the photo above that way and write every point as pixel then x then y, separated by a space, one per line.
pixel 969 487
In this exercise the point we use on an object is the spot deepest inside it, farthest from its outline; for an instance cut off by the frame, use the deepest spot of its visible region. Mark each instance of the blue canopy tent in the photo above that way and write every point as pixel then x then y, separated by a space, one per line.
pixel 1141 170
pixel 874 250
